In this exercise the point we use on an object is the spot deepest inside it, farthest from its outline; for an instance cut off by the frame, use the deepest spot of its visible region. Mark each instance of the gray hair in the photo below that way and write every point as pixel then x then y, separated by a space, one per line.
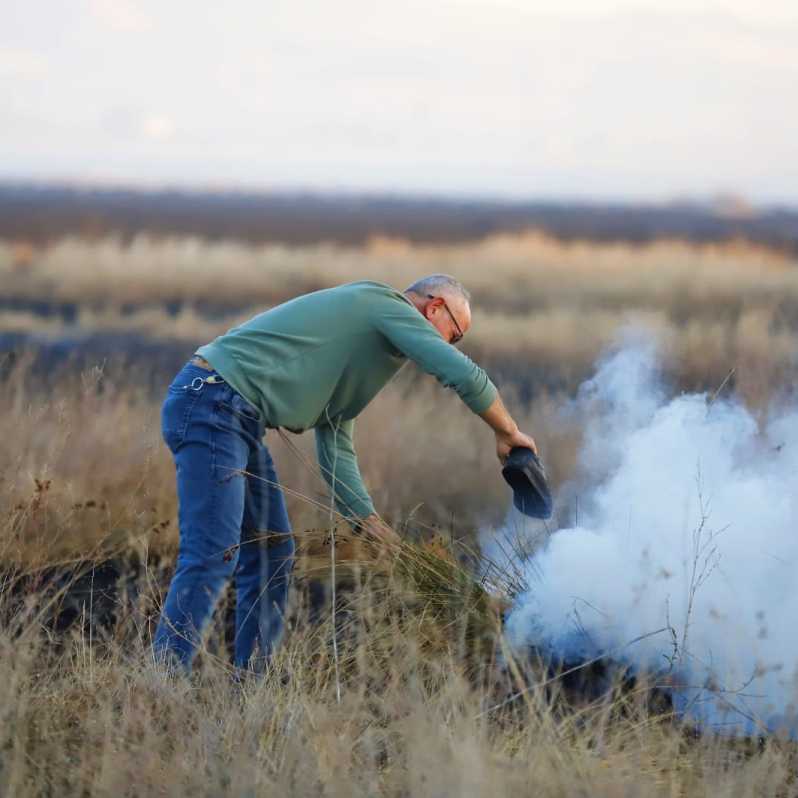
pixel 435 283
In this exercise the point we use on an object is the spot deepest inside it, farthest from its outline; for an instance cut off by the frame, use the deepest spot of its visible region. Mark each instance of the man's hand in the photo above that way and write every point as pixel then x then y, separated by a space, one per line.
pixel 507 433
pixel 507 440
pixel 379 531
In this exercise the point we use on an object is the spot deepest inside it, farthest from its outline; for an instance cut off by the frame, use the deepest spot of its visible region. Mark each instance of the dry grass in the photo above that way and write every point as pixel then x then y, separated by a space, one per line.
pixel 544 308
pixel 514 273
pixel 83 474
pixel 83 467
pixel 95 718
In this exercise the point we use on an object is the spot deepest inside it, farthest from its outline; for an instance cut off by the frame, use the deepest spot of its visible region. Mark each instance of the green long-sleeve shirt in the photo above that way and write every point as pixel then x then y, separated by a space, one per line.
pixel 318 360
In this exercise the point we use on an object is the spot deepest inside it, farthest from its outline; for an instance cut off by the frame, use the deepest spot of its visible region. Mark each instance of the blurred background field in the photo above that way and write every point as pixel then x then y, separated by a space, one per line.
pixel 93 329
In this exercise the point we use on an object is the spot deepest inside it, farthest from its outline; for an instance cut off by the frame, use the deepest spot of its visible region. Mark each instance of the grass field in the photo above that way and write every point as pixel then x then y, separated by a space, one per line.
pixel 397 717
pixel 84 474
pixel 544 309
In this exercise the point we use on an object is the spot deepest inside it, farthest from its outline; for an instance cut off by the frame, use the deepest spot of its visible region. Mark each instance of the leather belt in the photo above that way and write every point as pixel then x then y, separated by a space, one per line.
pixel 197 360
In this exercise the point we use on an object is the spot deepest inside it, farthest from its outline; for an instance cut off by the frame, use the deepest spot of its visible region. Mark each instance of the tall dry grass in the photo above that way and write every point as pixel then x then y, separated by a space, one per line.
pixel 82 465
pixel 84 468
pixel 84 474
pixel 95 718
pixel 544 309
pixel 512 273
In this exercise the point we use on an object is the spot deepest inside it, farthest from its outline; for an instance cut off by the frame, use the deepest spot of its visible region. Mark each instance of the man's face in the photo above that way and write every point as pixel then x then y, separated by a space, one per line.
pixel 449 315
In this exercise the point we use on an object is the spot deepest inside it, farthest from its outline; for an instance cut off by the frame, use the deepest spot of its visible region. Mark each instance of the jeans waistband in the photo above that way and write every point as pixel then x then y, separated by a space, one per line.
pixel 195 377
pixel 198 360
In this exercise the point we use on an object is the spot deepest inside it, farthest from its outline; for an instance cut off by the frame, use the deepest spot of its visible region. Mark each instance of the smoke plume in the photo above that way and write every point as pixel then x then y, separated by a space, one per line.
pixel 687 524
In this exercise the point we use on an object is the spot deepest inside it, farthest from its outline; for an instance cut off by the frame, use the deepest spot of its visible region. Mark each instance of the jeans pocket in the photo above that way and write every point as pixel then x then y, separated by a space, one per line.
pixel 233 402
pixel 176 414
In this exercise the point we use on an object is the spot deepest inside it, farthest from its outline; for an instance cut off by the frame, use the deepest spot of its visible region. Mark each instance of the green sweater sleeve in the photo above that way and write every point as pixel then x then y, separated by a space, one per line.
pixel 410 333
pixel 336 452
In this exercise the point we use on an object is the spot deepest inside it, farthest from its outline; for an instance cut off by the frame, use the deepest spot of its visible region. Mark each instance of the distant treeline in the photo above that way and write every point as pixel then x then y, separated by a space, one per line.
pixel 44 213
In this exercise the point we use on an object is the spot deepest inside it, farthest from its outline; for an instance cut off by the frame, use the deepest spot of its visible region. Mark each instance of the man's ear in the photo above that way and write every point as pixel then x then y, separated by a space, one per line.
pixel 432 304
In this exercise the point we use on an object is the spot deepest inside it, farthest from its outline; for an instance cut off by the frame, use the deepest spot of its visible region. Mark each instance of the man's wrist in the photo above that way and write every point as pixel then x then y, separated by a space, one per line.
pixel 507 430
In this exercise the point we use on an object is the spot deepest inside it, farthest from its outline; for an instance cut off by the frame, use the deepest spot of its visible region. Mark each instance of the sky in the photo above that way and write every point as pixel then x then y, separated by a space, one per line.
pixel 643 100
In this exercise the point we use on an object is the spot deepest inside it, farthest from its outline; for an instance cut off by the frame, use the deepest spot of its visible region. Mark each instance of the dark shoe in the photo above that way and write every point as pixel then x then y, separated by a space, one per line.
pixel 526 476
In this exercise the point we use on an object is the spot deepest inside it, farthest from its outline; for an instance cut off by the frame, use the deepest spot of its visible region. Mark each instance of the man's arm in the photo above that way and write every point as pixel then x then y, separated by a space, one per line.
pixel 338 461
pixel 507 433
pixel 412 335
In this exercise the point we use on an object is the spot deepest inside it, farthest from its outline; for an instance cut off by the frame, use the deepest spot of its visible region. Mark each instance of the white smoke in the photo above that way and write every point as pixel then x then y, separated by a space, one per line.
pixel 689 526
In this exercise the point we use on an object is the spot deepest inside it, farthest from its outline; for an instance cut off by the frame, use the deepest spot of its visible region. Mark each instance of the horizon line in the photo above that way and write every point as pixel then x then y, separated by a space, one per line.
pixel 709 202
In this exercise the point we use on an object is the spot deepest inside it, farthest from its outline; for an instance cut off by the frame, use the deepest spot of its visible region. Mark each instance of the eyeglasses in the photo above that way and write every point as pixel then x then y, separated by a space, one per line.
pixel 459 336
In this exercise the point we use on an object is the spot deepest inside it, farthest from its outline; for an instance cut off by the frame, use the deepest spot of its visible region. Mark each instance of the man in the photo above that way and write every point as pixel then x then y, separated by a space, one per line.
pixel 313 362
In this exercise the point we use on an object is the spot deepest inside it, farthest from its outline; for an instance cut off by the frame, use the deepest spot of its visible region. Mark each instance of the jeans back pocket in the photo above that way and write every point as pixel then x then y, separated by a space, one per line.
pixel 176 414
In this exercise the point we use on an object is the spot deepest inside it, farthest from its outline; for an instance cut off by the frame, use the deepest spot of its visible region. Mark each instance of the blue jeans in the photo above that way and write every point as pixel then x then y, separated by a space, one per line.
pixel 233 521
